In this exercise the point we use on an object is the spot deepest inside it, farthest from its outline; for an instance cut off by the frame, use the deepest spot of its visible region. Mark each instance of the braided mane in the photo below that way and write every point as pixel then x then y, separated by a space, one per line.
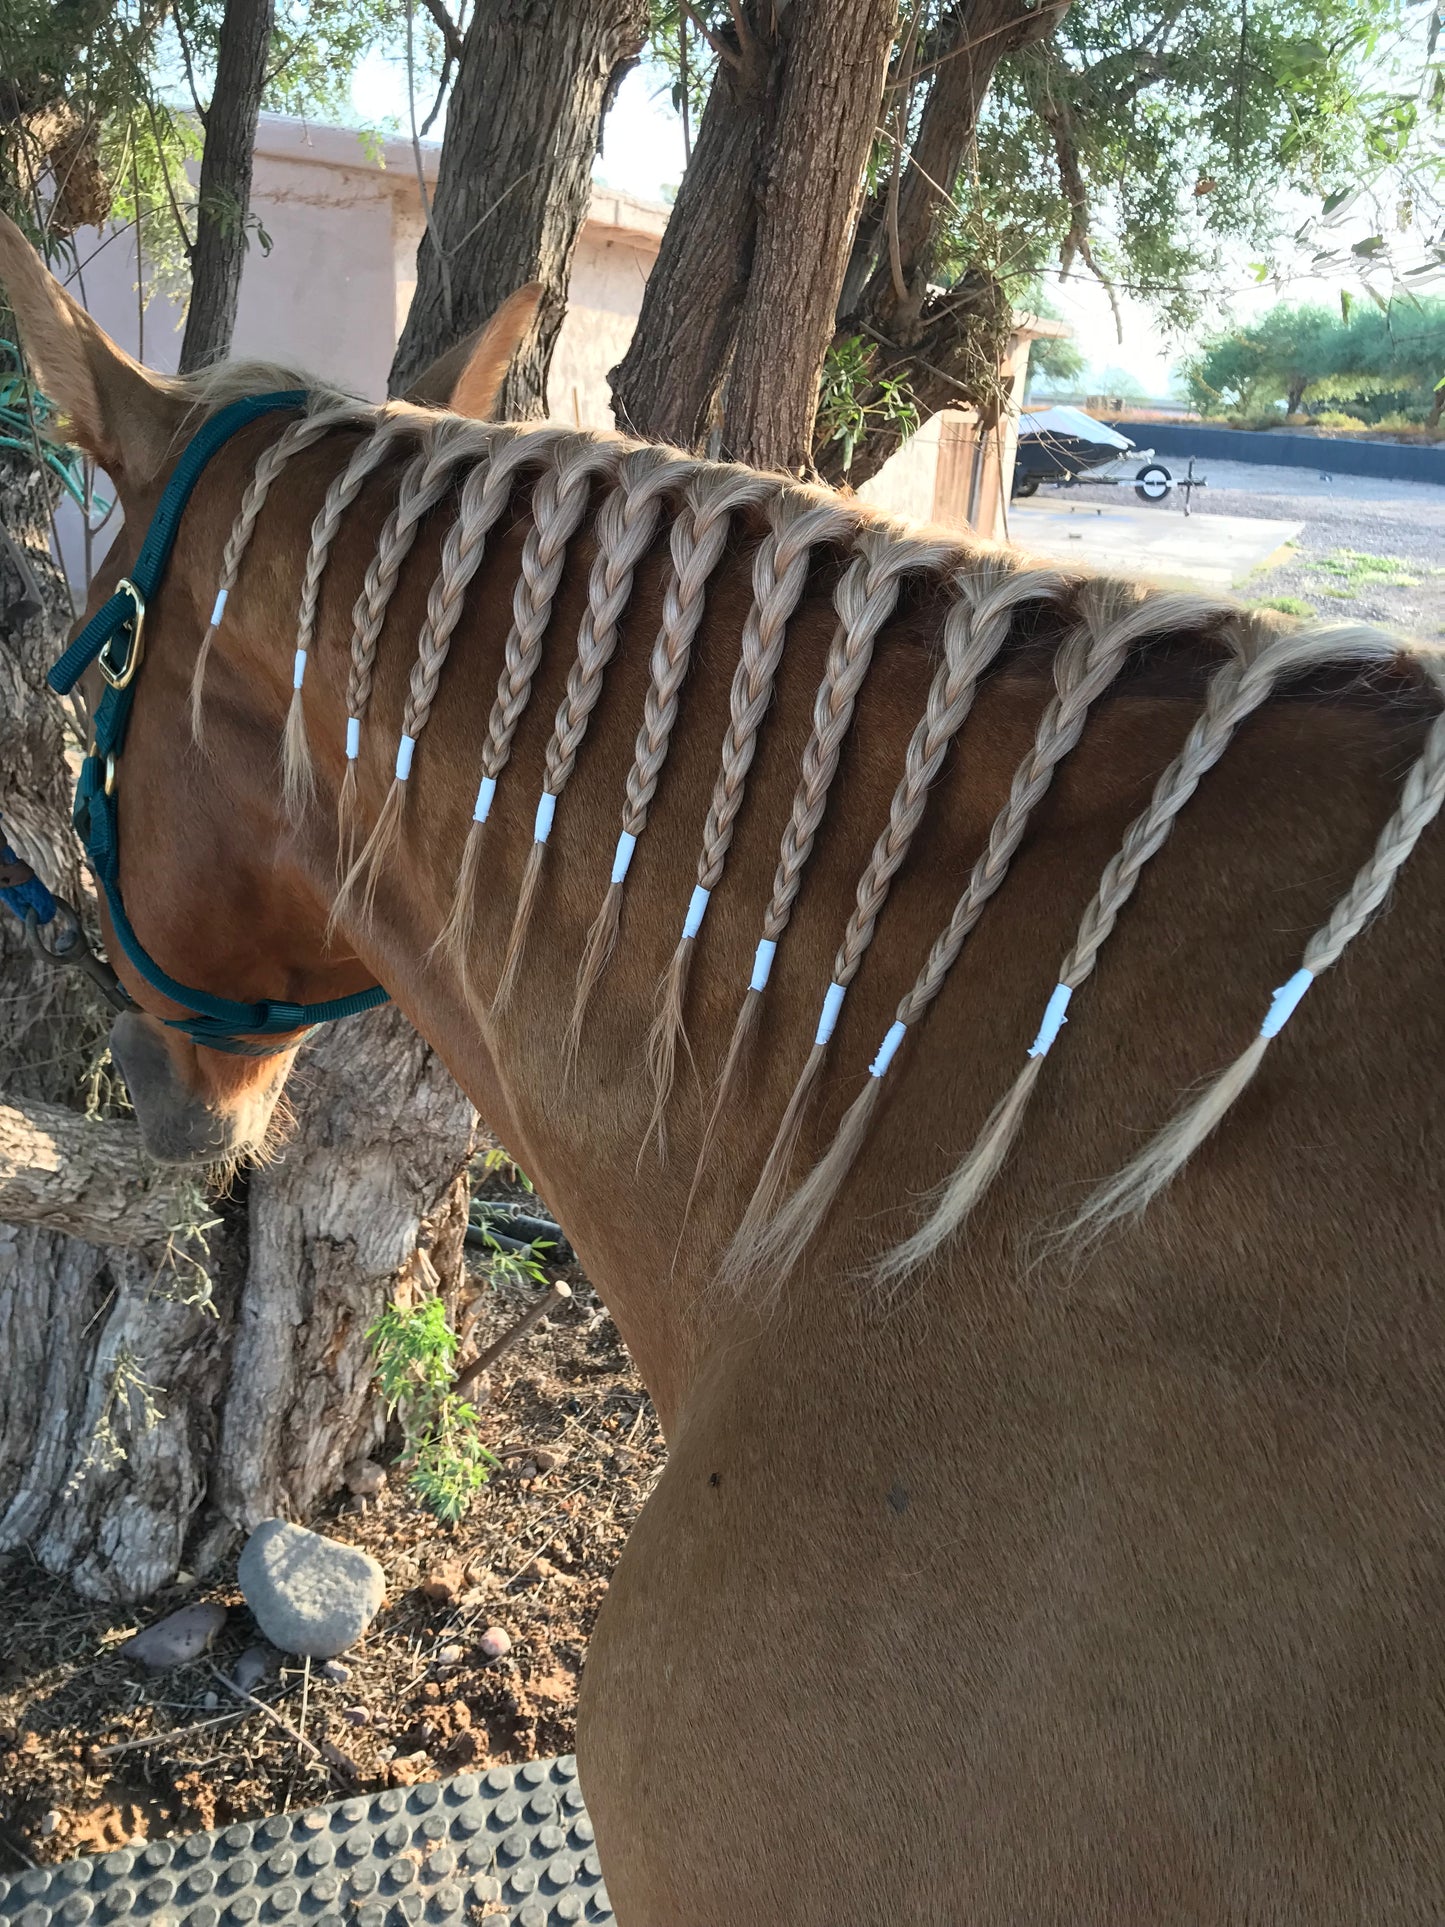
pixel 647 491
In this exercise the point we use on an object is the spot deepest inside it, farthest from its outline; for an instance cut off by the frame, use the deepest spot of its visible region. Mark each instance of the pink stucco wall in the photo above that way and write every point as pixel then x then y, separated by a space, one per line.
pixel 330 298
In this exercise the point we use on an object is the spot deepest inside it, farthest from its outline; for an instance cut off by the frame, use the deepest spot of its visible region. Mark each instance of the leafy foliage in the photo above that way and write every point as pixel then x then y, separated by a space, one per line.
pixel 1386 359
pixel 415 1352
pixel 850 400
pixel 1143 140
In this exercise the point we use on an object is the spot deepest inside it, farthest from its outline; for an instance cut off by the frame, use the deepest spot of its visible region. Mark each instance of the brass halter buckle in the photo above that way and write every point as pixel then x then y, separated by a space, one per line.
pixel 122 677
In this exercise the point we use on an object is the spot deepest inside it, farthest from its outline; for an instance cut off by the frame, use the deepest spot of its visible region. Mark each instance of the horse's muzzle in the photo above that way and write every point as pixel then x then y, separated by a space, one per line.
pixel 176 1125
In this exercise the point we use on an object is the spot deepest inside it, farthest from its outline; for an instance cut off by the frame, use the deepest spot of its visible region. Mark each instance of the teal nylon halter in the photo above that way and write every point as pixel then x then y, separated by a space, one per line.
pixel 112 638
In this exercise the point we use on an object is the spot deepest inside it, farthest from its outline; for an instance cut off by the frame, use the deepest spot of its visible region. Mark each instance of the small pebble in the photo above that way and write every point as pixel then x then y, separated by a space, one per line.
pixel 355 1715
pixel 386 1753
pixel 545 1461
pixel 333 1670
pixel 449 1656
pixel 176 1639
pixel 365 1478
pixel 252 1667
pixel 495 1642
pixel 210 1701
pixel 49 1823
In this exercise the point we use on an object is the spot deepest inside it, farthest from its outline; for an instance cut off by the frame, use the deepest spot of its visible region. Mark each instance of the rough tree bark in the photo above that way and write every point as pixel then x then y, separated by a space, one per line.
pixel 665 384
pixel 224 202
pixel 523 125
pixel 810 193
pixel 944 342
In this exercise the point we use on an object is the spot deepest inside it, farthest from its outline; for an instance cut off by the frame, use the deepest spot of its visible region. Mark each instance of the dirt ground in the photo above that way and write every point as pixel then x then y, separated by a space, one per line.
pixel 94 1752
pixel 1371 550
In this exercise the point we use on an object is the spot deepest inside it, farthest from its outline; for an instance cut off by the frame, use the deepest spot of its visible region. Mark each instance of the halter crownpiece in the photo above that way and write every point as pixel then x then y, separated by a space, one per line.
pixel 114 640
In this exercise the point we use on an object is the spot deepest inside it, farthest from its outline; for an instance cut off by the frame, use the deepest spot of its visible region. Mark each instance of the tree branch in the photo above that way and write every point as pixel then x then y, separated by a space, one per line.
pixel 719 46
pixel 87 1178
pixel 447 27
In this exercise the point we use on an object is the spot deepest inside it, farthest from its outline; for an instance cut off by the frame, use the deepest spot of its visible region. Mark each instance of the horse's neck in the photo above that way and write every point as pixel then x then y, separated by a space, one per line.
pixel 580 1138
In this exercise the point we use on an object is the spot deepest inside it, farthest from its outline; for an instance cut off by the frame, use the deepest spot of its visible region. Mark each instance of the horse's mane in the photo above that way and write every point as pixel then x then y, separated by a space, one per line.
pixel 645 490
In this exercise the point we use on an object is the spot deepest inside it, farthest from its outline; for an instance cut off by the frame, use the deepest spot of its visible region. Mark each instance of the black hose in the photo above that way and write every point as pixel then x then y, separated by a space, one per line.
pixel 514 1230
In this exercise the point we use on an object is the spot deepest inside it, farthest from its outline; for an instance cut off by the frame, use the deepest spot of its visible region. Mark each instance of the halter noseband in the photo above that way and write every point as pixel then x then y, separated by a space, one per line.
pixel 114 639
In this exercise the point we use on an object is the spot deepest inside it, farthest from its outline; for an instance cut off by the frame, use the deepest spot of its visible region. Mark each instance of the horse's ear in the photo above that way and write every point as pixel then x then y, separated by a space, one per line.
pixel 111 407
pixel 468 378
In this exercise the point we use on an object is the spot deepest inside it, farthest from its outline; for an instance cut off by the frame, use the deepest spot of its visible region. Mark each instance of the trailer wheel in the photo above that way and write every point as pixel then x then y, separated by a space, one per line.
pixel 1153 483
pixel 1023 486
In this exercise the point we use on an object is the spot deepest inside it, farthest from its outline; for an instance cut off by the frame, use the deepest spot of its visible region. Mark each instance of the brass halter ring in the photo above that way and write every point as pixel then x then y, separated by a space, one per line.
pixel 122 678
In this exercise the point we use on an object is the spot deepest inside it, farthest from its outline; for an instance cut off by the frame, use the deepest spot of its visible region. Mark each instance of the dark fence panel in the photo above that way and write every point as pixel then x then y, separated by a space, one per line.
pixel 1391 461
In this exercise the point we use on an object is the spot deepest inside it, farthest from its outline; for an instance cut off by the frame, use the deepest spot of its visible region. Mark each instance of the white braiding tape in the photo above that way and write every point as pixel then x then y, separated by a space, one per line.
pixel 827 1021
pixel 696 910
pixel 763 964
pixel 1054 1021
pixel 1285 1002
pixel 220 608
pixel 298 673
pixel 482 808
pixel 353 738
pixel 405 750
pixel 888 1050
pixel 626 844
pixel 546 810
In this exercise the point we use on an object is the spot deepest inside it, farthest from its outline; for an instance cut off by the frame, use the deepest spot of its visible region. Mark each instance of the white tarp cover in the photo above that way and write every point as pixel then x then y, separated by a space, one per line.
pixel 1071 422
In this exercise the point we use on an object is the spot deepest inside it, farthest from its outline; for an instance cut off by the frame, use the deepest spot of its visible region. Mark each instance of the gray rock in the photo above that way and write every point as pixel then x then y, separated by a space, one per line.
pixel 255 1664
pixel 309 1595
pixel 336 1672
pixel 177 1639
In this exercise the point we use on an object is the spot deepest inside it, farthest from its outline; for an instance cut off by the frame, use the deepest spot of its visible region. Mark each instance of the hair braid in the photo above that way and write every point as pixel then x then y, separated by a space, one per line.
pixel 626 529
pixel 799 523
pixel 559 504
pixel 484 498
pixel 699 536
pixel 368 455
pixel 319 421
pixel 1087 663
pixel 485 495
pixel 866 597
pixel 1421 797
pixel 974 631
pixel 446 446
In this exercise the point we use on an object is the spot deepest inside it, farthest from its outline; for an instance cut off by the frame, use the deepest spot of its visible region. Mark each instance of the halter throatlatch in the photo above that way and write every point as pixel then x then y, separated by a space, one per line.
pixel 114 639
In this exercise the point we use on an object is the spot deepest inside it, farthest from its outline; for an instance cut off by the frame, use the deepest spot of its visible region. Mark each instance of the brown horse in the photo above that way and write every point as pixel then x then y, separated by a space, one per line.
pixel 1087 1576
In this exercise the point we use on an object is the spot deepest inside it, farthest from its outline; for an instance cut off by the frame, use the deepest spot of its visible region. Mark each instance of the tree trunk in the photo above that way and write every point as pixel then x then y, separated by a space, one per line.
pixel 224 202
pixel 765 259
pixel 664 386
pixel 812 185
pixel 523 125
pixel 946 344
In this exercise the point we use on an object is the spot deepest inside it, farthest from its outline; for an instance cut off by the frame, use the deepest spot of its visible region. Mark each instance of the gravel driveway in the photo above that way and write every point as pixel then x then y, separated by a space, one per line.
pixel 1368 548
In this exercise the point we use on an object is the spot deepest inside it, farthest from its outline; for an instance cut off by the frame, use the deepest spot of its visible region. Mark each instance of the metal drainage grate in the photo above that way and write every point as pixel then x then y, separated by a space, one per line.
pixel 513 1845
